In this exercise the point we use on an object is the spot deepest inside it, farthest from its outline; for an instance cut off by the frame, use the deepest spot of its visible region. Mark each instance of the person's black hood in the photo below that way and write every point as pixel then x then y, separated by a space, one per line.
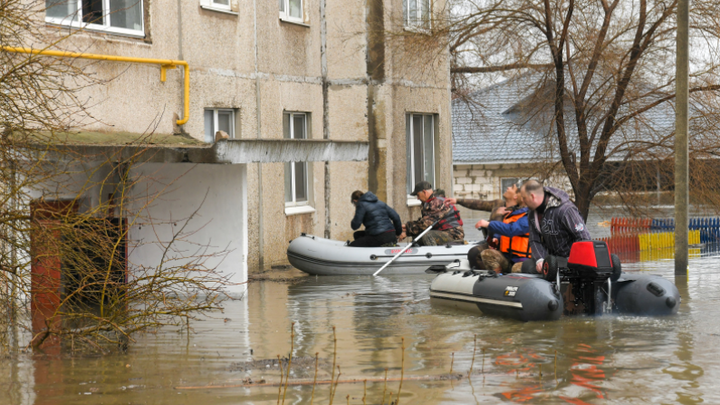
pixel 369 197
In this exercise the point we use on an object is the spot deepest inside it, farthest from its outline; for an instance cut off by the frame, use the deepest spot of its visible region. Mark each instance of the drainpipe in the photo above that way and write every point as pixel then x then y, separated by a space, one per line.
pixel 326 109
pixel 375 75
pixel 261 240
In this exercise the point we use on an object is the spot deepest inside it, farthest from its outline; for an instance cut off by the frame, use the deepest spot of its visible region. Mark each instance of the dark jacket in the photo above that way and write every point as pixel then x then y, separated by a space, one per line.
pixel 375 215
pixel 561 226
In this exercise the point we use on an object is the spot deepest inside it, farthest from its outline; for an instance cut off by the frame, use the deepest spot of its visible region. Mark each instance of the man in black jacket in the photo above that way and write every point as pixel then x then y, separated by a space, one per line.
pixel 555 223
pixel 382 223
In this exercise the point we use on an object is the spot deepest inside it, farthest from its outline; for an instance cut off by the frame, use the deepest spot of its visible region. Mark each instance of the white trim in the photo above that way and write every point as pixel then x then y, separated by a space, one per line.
pixel 413 201
pixel 299 209
pixel 294 21
pixel 219 10
pixel 467 298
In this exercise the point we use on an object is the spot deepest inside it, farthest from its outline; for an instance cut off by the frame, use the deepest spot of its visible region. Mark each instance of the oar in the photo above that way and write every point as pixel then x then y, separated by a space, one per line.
pixel 412 244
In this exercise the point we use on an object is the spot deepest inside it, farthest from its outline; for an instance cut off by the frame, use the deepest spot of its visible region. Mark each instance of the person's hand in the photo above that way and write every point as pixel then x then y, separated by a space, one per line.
pixel 404 228
pixel 502 211
pixel 482 224
pixel 402 236
pixel 538 265
pixel 495 242
pixel 451 200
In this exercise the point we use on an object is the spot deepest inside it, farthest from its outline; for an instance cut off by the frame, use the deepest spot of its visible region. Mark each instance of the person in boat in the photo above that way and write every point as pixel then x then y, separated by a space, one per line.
pixel 511 236
pixel 555 224
pixel 434 208
pixel 498 208
pixel 382 223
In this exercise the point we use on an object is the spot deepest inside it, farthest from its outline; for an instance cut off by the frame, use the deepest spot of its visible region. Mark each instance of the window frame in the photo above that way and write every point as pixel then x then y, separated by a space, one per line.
pixel 410 149
pixel 75 21
pixel 284 13
pixel 503 187
pixel 291 135
pixel 422 23
pixel 216 112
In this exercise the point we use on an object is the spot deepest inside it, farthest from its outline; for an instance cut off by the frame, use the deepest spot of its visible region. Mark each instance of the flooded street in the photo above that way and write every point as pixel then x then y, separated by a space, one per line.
pixel 611 359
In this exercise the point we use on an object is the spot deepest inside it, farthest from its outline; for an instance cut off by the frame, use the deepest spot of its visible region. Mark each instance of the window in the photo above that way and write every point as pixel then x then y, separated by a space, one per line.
pixel 221 119
pixel 119 16
pixel 224 6
pixel 416 13
pixel 507 182
pixel 296 173
pixel 291 10
pixel 420 131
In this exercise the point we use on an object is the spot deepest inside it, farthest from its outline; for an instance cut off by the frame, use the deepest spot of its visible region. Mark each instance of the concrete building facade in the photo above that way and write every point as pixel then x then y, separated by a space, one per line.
pixel 341 71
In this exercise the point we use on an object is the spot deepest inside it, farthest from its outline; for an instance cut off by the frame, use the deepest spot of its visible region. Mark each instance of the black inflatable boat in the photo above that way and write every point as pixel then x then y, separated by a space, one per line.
pixel 589 282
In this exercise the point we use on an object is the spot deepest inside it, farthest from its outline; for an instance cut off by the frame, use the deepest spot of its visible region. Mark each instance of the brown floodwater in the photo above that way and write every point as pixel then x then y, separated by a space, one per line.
pixel 578 360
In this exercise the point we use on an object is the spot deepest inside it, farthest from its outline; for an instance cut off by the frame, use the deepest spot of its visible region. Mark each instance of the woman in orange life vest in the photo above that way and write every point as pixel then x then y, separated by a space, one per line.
pixel 512 234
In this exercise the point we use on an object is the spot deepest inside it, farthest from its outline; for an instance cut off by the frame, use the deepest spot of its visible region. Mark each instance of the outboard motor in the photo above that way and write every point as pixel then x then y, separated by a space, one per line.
pixel 588 274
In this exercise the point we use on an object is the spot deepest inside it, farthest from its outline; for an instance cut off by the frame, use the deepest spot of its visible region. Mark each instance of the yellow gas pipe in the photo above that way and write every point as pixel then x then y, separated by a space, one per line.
pixel 165 64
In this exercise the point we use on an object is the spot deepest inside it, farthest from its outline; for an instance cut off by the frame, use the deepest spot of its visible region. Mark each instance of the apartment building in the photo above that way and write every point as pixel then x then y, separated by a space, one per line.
pixel 318 98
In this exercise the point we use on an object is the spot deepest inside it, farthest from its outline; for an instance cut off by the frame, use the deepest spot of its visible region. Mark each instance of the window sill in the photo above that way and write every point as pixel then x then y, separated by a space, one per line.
pixel 413 202
pixel 295 22
pixel 417 30
pixel 125 32
pixel 299 209
pixel 219 10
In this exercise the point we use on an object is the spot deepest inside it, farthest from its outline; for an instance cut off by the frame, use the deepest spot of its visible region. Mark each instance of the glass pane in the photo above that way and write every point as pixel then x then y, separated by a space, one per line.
pixel 295 8
pixel 300 181
pixel 417 128
pixel 222 2
pixel 288 182
pixel 412 12
pixel 92 11
pixel 428 148
pixel 225 123
pixel 425 12
pixel 409 156
pixel 126 14
pixel 286 126
pixel 62 9
pixel 405 11
pixel 299 126
pixel 282 6
pixel 209 130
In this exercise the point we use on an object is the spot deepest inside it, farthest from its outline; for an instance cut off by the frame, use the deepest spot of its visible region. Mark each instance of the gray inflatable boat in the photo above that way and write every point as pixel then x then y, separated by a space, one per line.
pixel 591 278
pixel 327 257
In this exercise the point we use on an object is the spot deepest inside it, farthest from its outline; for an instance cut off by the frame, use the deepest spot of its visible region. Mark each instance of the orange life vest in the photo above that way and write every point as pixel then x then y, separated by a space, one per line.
pixel 515 245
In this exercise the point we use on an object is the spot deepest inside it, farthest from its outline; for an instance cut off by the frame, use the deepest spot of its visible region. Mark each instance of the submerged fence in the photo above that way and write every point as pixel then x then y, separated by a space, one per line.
pixel 634 239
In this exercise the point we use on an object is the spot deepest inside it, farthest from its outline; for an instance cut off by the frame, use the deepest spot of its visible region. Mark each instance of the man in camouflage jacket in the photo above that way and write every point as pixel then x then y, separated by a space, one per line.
pixel 448 229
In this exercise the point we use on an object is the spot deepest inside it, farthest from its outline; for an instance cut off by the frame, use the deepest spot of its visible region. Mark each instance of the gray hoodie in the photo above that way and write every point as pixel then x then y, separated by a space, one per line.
pixel 561 226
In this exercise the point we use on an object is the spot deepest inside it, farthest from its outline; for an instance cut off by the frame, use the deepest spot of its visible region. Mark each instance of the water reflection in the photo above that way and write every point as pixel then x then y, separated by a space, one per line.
pixel 579 360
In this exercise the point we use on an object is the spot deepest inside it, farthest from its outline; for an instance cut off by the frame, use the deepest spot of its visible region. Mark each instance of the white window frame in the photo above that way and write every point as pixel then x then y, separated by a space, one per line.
pixel 410 144
pixel 421 23
pixel 285 14
pixel 215 6
pixel 75 21
pixel 502 187
pixel 215 112
pixel 293 191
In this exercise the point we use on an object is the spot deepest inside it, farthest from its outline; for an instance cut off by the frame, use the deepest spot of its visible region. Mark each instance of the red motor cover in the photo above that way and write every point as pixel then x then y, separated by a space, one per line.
pixel 586 253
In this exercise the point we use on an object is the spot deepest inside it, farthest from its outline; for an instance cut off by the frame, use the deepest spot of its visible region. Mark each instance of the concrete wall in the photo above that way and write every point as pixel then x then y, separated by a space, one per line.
pixel 350 65
pixel 208 200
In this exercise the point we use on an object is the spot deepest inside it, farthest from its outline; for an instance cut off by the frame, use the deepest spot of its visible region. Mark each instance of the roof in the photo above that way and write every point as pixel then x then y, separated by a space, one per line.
pixel 509 122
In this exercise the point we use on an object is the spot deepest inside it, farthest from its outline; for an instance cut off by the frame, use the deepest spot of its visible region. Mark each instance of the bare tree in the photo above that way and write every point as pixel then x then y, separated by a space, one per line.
pixel 604 80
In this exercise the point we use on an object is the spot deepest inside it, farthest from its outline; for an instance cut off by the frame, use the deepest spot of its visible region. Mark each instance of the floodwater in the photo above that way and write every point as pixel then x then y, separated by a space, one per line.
pixel 594 360
pixel 388 323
